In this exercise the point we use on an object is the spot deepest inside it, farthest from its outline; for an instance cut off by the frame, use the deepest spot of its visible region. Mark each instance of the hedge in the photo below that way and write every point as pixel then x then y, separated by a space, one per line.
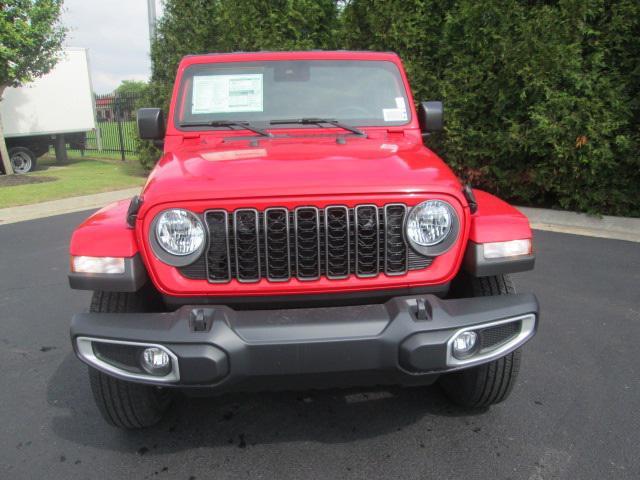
pixel 542 99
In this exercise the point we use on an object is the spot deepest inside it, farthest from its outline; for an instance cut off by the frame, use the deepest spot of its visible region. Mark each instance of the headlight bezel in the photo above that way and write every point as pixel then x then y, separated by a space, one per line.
pixel 443 245
pixel 173 259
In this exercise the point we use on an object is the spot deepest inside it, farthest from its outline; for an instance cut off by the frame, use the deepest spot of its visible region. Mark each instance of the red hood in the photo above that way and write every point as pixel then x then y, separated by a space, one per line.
pixel 209 169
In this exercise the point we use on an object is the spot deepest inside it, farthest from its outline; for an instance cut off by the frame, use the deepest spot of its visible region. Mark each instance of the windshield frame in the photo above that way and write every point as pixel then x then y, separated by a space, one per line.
pixel 181 95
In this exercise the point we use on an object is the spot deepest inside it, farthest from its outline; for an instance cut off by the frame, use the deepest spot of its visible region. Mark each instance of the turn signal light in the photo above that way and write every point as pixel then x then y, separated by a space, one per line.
pixel 82 264
pixel 512 248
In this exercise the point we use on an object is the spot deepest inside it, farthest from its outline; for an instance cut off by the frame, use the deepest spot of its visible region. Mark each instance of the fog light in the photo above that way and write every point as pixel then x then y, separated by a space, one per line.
pixel 464 344
pixel 156 361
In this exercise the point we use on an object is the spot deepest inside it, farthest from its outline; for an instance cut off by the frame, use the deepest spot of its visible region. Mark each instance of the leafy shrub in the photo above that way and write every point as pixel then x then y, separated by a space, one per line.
pixel 542 98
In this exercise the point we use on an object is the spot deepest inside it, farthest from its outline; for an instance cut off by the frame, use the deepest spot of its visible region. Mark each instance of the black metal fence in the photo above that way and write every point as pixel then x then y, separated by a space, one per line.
pixel 115 131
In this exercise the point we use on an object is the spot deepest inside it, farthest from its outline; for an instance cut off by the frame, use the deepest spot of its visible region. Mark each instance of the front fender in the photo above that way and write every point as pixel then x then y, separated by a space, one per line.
pixel 107 234
pixel 496 221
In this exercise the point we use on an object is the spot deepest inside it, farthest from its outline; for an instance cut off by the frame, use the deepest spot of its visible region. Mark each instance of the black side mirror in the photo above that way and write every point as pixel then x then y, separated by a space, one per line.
pixel 431 116
pixel 150 124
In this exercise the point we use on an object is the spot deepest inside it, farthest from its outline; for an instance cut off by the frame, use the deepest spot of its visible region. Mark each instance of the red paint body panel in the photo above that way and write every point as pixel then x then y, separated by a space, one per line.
pixel 105 234
pixel 290 167
pixel 202 170
pixel 497 221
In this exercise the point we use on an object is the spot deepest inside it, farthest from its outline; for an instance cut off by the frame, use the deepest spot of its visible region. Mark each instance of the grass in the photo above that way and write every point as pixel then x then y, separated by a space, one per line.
pixel 78 176
pixel 110 137
pixel 98 155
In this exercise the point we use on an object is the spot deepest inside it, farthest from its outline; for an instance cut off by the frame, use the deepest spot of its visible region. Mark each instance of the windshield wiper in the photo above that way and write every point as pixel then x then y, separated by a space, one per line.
pixel 319 122
pixel 228 123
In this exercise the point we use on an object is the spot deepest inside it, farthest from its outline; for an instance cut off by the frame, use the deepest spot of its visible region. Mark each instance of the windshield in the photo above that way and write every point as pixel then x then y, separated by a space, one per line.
pixel 358 93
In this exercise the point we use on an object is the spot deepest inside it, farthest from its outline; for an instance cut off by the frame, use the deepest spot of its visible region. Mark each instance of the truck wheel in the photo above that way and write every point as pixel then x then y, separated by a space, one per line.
pixel 491 383
pixel 125 404
pixel 23 160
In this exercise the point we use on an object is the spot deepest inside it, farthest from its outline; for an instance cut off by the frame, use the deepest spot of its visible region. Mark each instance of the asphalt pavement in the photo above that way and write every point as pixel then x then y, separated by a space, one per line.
pixel 573 415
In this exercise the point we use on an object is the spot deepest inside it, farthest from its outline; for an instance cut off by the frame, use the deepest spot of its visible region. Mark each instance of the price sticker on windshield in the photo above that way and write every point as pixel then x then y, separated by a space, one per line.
pixel 227 93
pixel 398 114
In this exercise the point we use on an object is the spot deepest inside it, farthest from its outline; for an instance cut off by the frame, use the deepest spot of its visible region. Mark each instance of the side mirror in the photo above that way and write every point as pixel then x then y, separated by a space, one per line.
pixel 150 124
pixel 431 116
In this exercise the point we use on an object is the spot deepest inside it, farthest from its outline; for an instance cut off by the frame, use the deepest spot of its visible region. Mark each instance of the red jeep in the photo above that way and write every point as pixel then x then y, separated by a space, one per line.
pixel 297 234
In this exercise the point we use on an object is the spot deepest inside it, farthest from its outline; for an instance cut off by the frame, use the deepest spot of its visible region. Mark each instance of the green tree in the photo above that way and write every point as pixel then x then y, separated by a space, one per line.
pixel 31 37
pixel 131 87
pixel 541 98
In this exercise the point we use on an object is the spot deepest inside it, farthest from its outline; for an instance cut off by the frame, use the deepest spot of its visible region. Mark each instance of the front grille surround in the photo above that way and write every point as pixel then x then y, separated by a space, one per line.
pixel 306 243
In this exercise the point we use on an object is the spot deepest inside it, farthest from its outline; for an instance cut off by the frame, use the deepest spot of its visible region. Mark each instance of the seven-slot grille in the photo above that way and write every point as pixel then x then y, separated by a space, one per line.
pixel 306 243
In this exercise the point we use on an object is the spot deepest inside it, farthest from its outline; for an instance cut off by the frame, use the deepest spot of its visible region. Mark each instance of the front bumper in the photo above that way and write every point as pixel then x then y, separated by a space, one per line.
pixel 407 340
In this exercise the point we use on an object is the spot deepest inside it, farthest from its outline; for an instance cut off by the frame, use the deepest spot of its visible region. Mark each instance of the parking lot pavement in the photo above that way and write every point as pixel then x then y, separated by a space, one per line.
pixel 573 415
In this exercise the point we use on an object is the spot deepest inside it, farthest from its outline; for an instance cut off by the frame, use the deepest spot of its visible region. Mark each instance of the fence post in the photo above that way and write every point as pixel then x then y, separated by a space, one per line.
pixel 119 120
pixel 98 137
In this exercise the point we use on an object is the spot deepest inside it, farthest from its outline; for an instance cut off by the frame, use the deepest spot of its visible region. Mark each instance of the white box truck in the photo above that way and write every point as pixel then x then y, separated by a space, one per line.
pixel 54 110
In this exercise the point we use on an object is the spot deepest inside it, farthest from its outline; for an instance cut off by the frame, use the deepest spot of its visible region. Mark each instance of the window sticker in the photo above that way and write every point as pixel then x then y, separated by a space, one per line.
pixel 398 114
pixel 227 93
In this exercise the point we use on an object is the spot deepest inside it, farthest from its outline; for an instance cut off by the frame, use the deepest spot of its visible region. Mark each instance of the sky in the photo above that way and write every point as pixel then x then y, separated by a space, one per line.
pixel 116 32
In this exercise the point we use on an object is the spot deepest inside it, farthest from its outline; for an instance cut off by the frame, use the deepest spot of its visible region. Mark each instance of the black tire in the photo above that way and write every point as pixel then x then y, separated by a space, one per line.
pixel 125 404
pixel 491 383
pixel 23 160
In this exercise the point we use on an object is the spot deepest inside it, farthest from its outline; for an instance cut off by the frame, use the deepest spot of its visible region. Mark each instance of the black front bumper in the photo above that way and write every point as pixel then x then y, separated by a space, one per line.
pixel 406 340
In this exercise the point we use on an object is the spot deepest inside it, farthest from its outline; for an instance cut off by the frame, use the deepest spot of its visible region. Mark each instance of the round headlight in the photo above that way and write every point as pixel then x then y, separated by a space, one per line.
pixel 179 232
pixel 429 224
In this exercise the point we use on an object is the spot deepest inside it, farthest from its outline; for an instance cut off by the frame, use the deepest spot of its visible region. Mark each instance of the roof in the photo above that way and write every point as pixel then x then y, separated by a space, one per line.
pixel 291 55
pixel 105 101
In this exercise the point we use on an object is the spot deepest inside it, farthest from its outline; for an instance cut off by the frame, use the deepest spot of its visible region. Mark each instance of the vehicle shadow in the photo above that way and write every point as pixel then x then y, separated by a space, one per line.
pixel 47 161
pixel 328 416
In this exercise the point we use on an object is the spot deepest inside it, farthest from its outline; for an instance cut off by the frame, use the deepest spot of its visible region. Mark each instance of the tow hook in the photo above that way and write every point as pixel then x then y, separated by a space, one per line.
pixel 201 319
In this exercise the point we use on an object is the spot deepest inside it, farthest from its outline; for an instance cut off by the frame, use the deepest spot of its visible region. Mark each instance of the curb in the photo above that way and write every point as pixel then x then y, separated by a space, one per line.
pixel 619 228
pixel 65 205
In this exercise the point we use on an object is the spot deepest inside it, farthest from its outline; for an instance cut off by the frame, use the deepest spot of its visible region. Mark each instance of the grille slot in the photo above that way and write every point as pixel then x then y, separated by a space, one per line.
pixel 218 258
pixel 247 246
pixel 277 245
pixel 395 250
pixel 337 241
pixel 493 337
pixel 367 239
pixel 126 357
pixel 306 243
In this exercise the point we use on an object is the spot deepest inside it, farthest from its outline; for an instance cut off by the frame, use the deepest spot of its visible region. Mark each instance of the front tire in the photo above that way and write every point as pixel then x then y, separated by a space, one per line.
pixel 491 383
pixel 125 404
